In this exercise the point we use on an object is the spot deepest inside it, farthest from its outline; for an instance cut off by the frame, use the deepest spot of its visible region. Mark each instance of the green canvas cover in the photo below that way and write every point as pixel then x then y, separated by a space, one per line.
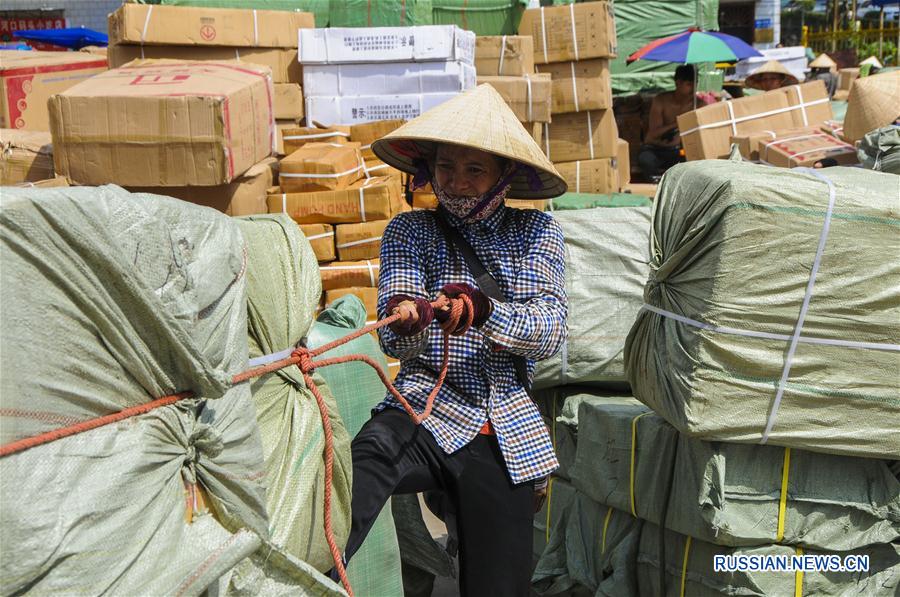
pixel 880 150
pixel 319 8
pixel 375 568
pixel 731 494
pixel 484 17
pixel 606 268
pixel 733 248
pixel 385 13
pixel 283 290
pixel 559 495
pixel 589 200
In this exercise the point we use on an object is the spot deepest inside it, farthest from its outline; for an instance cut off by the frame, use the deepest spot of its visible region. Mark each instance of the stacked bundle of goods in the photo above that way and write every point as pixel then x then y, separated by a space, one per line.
pixel 255 37
pixel 25 156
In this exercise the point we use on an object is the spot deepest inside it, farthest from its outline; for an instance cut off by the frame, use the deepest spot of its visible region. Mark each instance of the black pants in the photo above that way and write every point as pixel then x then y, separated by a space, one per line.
pixel 655 160
pixel 494 517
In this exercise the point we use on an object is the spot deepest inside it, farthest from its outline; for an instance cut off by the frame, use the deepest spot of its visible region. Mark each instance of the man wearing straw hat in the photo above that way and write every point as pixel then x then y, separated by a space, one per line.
pixel 484 445
pixel 771 75
pixel 823 68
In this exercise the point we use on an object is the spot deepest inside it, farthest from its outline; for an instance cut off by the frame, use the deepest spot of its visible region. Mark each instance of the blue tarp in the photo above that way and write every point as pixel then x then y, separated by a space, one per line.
pixel 74 37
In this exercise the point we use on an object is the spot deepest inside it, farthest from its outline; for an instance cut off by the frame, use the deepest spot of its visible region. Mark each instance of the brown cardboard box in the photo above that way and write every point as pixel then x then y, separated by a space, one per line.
pixel 835 128
pixel 393 368
pixel 296 138
pixel 750 143
pixel 528 96
pixel 25 156
pixel 590 176
pixel 578 86
pixel 504 55
pixel 806 150
pixel 164 124
pixel 282 61
pixel 376 167
pixel 368 296
pixel 841 95
pixel 538 204
pixel 623 163
pixel 552 29
pixel 378 197
pixel 813 105
pixel 581 136
pixel 28 79
pixel 359 241
pixel 195 26
pixel 648 190
pixel 846 76
pixel 288 101
pixel 368 133
pixel 346 274
pixel 280 127
pixel 424 200
pixel 321 238
pixel 50 183
pixel 321 167
pixel 536 130
pixel 243 196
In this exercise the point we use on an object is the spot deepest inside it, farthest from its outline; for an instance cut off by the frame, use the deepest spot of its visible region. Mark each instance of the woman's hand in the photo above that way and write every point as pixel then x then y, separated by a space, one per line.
pixel 416 314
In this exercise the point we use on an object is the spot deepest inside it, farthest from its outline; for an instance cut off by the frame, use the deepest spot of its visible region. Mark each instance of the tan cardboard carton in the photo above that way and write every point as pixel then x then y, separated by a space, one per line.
pixel 581 136
pixel 197 26
pixel 573 32
pixel 365 200
pixel 374 168
pixel 590 176
pixel 528 96
pixel 297 137
pixel 749 144
pixel 321 167
pixel 841 95
pixel 368 133
pixel 536 130
pixel 347 274
pixel 538 204
pixel 282 61
pixel 806 150
pixel 424 200
pixel 321 238
pixel 504 55
pixel 163 124
pixel 25 156
pixel 288 101
pixel 280 127
pixel 393 368
pixel 835 128
pixel 846 76
pixel 368 296
pixel 648 190
pixel 28 79
pixel 50 183
pixel 812 105
pixel 243 196
pixel 623 163
pixel 578 86
pixel 359 241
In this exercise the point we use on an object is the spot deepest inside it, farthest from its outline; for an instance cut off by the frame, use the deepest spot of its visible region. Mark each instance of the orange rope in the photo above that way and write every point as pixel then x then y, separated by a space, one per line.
pixel 303 358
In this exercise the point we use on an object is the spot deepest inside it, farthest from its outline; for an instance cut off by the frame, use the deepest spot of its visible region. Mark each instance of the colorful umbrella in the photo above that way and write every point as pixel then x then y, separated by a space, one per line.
pixel 694 46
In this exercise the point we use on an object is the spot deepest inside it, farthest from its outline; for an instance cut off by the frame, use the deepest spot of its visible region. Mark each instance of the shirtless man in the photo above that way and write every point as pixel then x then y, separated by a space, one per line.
pixel 660 150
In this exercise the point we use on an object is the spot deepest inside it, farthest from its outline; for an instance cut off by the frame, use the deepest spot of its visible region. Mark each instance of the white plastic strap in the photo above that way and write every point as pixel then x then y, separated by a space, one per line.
pixel 372 278
pixel 142 52
pixel 255 29
pixel 354 243
pixel 144 31
pixel 547 138
pixel 544 35
pixel 318 236
pixel 765 152
pixel 734 121
pixel 574 35
pixel 528 96
pixel 284 203
pixel 306 175
pixel 802 105
pixel 578 176
pixel 502 55
pixel 574 85
pixel 362 203
pixel 269 358
pixel 316 136
pixel 590 134
pixel 731 116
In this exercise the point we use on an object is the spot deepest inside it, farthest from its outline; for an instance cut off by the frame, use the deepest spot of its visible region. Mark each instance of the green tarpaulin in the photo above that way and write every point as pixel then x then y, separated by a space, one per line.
pixel 588 200
pixel 880 150
pixel 386 13
pixel 484 17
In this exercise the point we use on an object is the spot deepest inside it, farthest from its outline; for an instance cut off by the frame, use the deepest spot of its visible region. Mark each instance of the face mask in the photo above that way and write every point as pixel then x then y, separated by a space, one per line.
pixel 477 208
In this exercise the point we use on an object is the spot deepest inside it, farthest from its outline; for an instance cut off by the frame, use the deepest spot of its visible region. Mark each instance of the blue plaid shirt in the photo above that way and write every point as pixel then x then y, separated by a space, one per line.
pixel 523 250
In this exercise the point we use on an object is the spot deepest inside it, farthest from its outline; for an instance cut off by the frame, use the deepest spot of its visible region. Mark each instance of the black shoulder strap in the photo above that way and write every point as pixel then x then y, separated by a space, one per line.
pixel 486 283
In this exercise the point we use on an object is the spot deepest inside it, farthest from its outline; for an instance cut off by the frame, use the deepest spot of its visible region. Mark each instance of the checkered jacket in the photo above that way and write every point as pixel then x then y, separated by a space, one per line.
pixel 523 250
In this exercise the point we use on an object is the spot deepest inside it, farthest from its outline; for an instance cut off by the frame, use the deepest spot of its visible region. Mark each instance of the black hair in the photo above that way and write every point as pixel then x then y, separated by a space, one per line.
pixel 685 72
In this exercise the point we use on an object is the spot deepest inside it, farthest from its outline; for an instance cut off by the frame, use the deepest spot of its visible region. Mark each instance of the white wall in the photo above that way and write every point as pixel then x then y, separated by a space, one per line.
pixel 87 13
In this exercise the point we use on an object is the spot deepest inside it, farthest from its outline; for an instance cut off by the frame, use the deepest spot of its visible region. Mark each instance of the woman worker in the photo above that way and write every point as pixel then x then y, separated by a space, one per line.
pixel 484 445
pixel 771 75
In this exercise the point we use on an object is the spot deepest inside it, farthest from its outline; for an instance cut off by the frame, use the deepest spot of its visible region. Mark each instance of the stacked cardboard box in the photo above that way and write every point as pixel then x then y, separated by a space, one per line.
pixel 359 75
pixel 846 76
pixel 25 156
pixel 795 147
pixel 257 37
pixel 573 44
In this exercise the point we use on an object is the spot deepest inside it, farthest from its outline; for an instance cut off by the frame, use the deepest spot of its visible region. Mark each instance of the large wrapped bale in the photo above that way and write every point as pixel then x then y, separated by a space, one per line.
pixel 880 150
pixel 111 300
pixel 772 307
pixel 733 494
pixel 559 495
pixel 606 268
pixel 283 290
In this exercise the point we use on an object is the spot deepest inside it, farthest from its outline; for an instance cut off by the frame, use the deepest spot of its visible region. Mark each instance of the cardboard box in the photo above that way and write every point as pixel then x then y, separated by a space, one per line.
pixel 528 96
pixel 328 111
pixel 50 183
pixel 806 150
pixel 25 156
pixel 321 238
pixel 812 105
pixel 243 196
pixel 846 76
pixel 623 163
pixel 538 204
pixel 282 61
pixel 750 143
pixel 348 45
pixel 401 78
pixel 280 127
pixel 355 242
pixel 164 123
pixel 835 128
pixel 199 26
pixel 321 167
pixel 374 168
pixel 347 274
pixel 590 176
pixel 581 136
pixel 297 136
pixel 578 86
pixel 648 190
pixel 504 55
pixel 288 101
pixel 573 32
pixel 425 200
pixel 368 296
pixel 28 79
pixel 368 133
pixel 393 368
pixel 536 130
pixel 365 200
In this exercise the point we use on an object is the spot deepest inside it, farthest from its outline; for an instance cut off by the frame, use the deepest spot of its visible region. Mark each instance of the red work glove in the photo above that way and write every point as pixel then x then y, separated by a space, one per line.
pixel 416 314
pixel 480 303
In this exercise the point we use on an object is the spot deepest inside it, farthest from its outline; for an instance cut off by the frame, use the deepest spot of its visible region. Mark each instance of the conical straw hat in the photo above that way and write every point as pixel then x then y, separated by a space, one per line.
pixel 873 61
pixel 772 66
pixel 874 102
pixel 823 61
pixel 478 118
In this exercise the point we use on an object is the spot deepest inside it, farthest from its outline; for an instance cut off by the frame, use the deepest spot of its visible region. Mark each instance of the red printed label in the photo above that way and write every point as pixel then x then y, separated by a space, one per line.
pixel 208 32
pixel 159 79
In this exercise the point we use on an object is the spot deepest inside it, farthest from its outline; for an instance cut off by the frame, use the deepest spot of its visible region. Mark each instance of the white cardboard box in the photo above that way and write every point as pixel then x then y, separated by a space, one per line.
pixel 327 111
pixel 398 78
pixel 792 58
pixel 349 45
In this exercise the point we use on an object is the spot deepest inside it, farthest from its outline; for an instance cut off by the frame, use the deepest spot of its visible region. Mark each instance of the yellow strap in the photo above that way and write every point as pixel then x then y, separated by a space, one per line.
pixel 798 577
pixel 605 526
pixel 687 551
pixel 782 502
pixel 549 496
pixel 633 446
